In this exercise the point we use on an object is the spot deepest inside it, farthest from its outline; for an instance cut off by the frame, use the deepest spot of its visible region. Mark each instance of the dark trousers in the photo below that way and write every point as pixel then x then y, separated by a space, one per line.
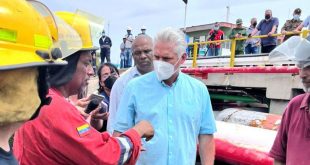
pixel 239 52
pixel 105 54
pixel 268 48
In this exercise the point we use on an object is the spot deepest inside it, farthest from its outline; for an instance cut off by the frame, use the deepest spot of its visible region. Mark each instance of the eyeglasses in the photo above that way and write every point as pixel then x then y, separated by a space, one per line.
pixel 139 53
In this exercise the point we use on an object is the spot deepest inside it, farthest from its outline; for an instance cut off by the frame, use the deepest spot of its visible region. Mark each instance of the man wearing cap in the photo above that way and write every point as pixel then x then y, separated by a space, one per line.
pixel 105 47
pixel 292 24
pixel 238 32
pixel 267 26
pixel 215 34
pixel 60 134
pixel 128 50
pixel 292 143
pixel 23 69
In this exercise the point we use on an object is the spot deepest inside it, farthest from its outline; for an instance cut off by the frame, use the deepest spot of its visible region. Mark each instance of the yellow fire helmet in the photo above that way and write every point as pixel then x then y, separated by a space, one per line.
pixel 25 38
pixel 63 35
pixel 88 26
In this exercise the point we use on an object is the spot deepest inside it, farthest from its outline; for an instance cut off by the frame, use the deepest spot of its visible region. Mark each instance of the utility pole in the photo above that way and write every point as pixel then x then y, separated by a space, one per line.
pixel 108 28
pixel 227 13
pixel 185 17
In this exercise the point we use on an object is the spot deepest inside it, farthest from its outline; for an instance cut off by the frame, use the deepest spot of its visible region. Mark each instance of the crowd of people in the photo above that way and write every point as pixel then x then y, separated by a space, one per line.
pixel 267 26
pixel 125 47
pixel 156 114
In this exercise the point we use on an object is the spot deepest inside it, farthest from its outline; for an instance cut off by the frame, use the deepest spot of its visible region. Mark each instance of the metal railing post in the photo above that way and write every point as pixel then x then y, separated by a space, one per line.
pixel 232 53
pixel 194 65
pixel 304 33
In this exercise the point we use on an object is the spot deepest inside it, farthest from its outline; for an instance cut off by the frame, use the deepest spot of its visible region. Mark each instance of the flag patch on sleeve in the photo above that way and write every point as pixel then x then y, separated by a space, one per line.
pixel 83 129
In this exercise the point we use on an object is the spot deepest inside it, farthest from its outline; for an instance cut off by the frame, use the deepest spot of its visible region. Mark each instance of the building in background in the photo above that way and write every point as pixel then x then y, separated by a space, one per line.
pixel 199 33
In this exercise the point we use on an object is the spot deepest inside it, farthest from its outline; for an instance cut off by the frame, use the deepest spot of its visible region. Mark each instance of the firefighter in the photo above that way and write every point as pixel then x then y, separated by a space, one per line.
pixel 60 134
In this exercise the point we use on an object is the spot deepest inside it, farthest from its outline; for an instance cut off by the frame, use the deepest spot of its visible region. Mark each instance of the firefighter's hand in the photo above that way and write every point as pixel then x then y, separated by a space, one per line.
pixel 83 102
pixel 144 129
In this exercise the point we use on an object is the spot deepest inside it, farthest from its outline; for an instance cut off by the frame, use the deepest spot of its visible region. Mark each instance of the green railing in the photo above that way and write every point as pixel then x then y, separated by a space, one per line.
pixel 303 33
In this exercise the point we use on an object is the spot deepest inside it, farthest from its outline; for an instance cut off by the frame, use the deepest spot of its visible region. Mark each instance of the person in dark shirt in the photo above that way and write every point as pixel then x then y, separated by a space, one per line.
pixel 267 26
pixel 106 71
pixel 105 46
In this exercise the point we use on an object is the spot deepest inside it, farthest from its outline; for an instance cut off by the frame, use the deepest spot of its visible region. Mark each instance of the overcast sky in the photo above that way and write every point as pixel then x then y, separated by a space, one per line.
pixel 157 14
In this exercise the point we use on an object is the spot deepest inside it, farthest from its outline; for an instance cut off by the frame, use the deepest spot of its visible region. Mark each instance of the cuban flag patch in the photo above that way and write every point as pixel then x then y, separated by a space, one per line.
pixel 83 129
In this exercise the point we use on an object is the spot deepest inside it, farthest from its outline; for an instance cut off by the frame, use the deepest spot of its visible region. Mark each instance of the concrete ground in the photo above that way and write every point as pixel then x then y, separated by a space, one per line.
pixel 93 85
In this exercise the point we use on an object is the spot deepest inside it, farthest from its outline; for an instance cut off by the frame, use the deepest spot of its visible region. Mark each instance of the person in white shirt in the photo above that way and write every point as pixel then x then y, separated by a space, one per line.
pixel 128 48
pixel 142 50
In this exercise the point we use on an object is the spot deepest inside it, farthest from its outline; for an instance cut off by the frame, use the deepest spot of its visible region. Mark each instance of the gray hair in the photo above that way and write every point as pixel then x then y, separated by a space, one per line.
pixel 140 37
pixel 268 10
pixel 174 36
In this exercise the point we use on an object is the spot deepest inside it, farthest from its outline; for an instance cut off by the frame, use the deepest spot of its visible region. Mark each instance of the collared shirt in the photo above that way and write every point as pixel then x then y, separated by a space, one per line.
pixel 293 139
pixel 265 27
pixel 252 41
pixel 307 22
pixel 129 40
pixel 178 114
pixel 116 93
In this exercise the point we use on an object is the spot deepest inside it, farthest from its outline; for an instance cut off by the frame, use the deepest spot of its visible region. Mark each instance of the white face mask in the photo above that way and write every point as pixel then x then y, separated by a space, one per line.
pixel 164 70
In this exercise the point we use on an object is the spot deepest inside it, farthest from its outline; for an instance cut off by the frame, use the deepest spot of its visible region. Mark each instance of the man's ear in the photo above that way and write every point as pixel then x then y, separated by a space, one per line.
pixel 183 58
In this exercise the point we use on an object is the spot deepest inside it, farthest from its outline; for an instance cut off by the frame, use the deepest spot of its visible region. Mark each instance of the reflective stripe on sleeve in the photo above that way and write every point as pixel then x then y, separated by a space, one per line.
pixel 126 148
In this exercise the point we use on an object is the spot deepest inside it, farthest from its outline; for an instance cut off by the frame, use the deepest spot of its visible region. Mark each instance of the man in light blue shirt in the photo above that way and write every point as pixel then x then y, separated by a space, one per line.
pixel 177 105
pixel 305 23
